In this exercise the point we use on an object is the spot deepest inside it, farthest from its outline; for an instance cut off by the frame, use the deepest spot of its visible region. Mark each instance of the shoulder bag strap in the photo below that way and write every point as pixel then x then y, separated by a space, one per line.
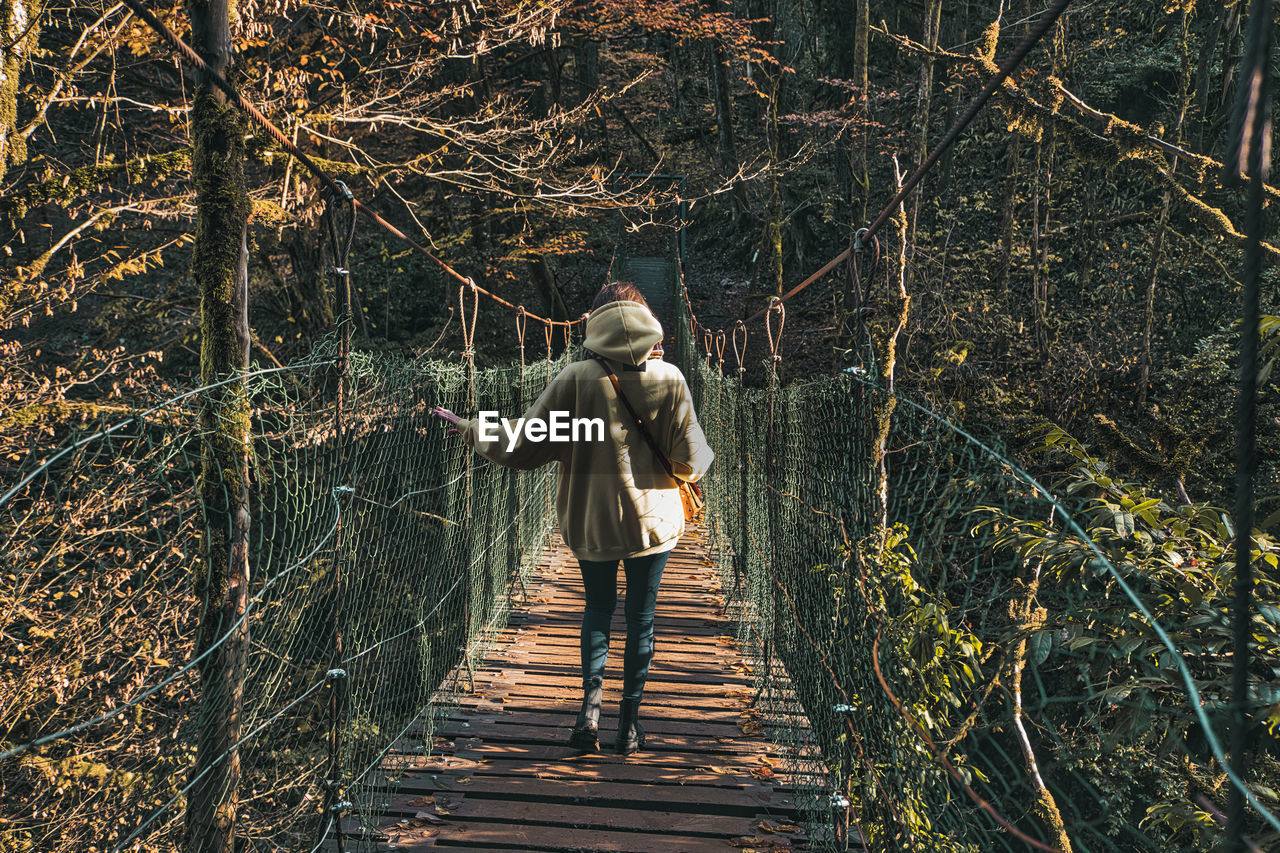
pixel 644 430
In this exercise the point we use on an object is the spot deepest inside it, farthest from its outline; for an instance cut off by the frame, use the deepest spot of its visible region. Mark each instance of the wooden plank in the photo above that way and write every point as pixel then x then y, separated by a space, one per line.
pixel 568 680
pixel 659 742
pixel 500 835
pixel 504 778
pixel 689 799
pixel 559 724
pixel 586 817
pixel 535 752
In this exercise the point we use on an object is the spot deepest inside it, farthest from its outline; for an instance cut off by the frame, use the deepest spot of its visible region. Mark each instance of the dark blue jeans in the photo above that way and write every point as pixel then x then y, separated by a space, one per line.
pixel 600 581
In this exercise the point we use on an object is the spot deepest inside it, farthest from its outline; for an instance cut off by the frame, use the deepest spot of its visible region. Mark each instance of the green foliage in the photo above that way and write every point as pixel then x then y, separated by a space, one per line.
pixel 944 658
pixel 1180 560
pixel 1200 398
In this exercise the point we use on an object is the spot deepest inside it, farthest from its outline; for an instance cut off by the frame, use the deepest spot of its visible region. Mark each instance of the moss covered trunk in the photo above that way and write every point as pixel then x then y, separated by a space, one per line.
pixel 884 333
pixel 219 266
pixel 18 33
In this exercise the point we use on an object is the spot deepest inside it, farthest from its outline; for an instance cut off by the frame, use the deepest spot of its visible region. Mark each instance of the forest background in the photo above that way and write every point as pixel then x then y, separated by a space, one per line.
pixel 1072 262
pixel 1072 258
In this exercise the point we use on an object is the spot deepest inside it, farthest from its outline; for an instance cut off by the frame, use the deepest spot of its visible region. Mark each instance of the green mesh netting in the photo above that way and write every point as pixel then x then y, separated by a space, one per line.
pixel 960 621
pixel 387 538
pixel 950 668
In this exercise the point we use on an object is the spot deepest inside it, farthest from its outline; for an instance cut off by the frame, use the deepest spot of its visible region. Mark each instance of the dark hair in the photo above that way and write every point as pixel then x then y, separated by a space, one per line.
pixel 619 291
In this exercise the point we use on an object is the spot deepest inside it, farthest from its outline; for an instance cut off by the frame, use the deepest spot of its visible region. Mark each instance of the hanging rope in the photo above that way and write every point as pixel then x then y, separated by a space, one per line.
pixel 720 350
pixel 469 335
pixel 522 321
pixel 776 306
pixel 740 352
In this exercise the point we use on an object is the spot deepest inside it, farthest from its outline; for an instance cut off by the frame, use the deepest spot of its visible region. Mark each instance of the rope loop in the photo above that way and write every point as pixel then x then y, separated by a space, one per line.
pixel 546 333
pixel 776 306
pixel 720 339
pixel 740 351
pixel 340 243
pixel 522 322
pixel 468 328
pixel 707 338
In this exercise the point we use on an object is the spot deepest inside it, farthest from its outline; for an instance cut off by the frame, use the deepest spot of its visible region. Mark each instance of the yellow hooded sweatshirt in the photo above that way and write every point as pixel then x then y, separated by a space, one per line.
pixel 614 499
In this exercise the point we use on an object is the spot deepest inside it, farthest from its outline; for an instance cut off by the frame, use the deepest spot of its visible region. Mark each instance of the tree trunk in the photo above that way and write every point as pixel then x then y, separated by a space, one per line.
pixel 1008 211
pixel 1212 33
pixel 220 268
pixel 861 42
pixel 884 339
pixel 19 32
pixel 959 35
pixel 1231 45
pixel 587 68
pixel 310 305
pixel 1157 242
pixel 924 97
pixel 720 72
pixel 1040 244
pixel 1027 618
pixel 773 221
pixel 547 280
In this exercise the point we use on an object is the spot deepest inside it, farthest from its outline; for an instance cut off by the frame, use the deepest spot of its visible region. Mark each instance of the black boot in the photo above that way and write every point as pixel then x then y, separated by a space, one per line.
pixel 586 730
pixel 630 734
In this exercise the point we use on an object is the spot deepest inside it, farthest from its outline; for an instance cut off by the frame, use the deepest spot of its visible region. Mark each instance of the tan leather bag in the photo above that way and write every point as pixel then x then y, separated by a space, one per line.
pixel 690 493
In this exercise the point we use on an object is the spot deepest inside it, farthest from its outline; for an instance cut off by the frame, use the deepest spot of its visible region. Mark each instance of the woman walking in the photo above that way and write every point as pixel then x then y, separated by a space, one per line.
pixel 616 500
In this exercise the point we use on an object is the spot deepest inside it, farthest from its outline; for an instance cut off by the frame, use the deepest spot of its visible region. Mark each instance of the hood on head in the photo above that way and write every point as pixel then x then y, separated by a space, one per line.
pixel 622 331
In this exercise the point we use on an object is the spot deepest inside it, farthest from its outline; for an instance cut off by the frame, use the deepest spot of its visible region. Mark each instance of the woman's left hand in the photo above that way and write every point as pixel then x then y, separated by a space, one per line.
pixel 445 415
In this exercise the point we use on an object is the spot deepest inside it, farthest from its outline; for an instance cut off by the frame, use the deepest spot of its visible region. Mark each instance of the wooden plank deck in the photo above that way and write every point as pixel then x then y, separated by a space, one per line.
pixel 504 778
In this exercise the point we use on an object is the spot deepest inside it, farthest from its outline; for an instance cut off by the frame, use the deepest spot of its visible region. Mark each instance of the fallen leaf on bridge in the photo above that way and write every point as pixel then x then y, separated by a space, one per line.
pixel 758 842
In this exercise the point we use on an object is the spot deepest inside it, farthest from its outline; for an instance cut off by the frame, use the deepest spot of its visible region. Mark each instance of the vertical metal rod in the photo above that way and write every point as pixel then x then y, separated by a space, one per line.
pixel 1251 145
pixel 338 681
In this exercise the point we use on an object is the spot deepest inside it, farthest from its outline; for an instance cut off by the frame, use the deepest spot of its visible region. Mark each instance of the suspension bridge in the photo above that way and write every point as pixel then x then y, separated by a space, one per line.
pixel 862 649
pixel 837 647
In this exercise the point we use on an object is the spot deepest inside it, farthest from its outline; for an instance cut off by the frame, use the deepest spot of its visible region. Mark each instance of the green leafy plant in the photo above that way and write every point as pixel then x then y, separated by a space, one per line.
pixel 1179 559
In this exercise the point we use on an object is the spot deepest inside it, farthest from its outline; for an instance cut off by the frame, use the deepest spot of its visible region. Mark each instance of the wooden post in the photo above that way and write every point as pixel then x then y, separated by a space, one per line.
pixel 220 268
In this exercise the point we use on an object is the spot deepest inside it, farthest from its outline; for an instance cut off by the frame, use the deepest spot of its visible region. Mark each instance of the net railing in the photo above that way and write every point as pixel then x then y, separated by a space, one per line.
pixel 382 555
pixel 951 662
pixel 956 667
